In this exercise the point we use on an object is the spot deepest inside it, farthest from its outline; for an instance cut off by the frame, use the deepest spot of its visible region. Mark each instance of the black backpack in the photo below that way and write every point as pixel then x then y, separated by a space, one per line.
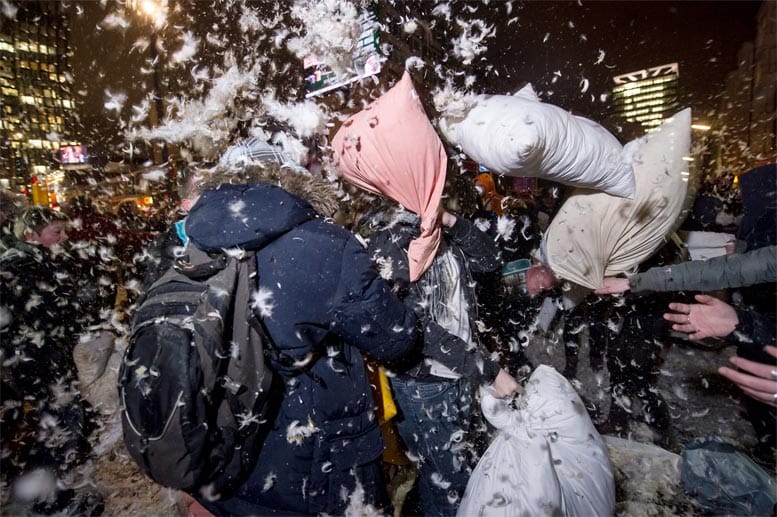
pixel 194 387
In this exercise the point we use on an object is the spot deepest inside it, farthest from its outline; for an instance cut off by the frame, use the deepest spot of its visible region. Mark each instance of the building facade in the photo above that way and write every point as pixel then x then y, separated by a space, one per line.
pixel 746 124
pixel 646 97
pixel 37 104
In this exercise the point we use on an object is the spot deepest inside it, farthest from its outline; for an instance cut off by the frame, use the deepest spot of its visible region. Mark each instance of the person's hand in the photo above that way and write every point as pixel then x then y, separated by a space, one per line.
pixel 708 318
pixel 613 285
pixel 762 384
pixel 446 218
pixel 505 385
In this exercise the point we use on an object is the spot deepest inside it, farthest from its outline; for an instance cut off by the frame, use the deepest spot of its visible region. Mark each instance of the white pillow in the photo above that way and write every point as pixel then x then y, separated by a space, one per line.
pixel 521 136
pixel 546 459
pixel 595 235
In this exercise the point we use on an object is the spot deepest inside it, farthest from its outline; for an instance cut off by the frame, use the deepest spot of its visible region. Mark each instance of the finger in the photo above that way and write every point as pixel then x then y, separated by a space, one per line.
pixel 680 318
pixel 749 381
pixel 760 369
pixel 680 307
pixel 705 298
pixel 766 398
pixel 771 350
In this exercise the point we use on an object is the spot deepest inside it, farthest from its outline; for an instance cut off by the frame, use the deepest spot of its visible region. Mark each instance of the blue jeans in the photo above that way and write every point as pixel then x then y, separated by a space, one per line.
pixel 433 421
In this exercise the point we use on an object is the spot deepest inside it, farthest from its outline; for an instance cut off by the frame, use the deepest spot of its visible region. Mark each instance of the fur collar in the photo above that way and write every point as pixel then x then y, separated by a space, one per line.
pixel 321 195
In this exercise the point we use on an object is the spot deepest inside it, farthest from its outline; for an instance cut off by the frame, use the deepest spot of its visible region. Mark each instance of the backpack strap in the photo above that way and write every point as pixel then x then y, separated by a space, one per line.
pixel 201 271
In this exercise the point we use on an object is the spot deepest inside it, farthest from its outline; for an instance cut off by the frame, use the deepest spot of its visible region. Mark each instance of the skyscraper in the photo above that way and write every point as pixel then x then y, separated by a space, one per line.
pixel 37 105
pixel 646 97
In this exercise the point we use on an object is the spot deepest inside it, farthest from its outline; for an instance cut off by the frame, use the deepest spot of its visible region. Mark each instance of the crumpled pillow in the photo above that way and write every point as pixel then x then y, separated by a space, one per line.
pixel 595 235
pixel 546 459
pixel 521 136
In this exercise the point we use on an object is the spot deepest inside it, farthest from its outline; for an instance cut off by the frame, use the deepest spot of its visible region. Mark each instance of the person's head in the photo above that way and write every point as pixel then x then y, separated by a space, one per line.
pixel 189 190
pixel 41 225
pixel 491 199
pixel 539 278
pixel 10 206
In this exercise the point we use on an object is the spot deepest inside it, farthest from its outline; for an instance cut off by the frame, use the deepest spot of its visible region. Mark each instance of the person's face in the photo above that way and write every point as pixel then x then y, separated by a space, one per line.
pixel 538 279
pixel 50 234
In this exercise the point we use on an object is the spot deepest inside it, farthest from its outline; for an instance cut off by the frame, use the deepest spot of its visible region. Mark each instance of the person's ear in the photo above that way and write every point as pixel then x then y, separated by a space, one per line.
pixel 187 204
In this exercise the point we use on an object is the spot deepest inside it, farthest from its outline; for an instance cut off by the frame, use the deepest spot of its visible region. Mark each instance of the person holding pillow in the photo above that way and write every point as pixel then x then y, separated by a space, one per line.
pixel 428 256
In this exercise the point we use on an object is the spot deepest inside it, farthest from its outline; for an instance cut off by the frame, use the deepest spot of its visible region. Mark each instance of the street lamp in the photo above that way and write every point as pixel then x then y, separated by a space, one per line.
pixel 155 11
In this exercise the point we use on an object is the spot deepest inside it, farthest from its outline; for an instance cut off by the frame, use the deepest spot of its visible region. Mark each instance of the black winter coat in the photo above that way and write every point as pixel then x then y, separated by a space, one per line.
pixel 39 326
pixel 322 303
pixel 475 253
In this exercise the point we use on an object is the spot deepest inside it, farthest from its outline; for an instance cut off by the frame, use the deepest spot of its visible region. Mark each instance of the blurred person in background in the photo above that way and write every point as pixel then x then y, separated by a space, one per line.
pixel 46 423
pixel 10 206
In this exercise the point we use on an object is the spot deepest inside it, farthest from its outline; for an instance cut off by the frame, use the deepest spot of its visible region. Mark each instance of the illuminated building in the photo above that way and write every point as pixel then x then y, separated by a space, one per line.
pixel 646 97
pixel 745 133
pixel 37 104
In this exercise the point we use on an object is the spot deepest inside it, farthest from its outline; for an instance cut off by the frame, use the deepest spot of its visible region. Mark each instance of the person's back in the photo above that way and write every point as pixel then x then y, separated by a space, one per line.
pixel 321 303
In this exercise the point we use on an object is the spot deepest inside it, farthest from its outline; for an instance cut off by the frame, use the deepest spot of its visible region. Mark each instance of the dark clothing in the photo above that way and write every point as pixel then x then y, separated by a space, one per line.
pixel 634 359
pixel 160 255
pixel 323 304
pixel 733 270
pixel 475 253
pixel 433 397
pixel 757 268
pixel 593 314
pixel 40 318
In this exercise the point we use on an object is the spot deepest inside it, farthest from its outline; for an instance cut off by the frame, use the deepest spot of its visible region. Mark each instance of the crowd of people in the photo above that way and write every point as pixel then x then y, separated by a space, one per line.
pixel 426 299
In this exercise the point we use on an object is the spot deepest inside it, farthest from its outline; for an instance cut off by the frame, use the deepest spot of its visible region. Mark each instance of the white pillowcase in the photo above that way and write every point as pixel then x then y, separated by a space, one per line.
pixel 546 459
pixel 521 136
pixel 595 235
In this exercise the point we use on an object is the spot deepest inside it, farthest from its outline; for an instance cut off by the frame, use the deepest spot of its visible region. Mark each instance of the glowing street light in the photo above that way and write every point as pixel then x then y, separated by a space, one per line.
pixel 154 10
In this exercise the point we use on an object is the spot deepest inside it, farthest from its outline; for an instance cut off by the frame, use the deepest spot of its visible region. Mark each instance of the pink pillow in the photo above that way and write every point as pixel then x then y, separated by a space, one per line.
pixel 390 148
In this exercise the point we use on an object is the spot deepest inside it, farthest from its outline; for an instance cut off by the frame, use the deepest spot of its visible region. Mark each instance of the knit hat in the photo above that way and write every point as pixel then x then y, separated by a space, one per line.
pixel 390 148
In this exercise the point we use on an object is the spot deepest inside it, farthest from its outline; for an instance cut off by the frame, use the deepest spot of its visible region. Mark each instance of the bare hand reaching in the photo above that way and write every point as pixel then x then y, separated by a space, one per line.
pixel 758 380
pixel 614 285
pixel 708 318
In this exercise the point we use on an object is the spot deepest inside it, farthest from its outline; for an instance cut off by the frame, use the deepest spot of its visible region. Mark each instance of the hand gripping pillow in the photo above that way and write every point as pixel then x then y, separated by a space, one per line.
pixel 546 459
pixel 595 235
pixel 521 136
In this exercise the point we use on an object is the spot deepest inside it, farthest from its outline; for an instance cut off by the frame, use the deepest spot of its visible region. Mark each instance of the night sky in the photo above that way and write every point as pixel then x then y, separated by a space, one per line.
pixel 703 37
pixel 536 42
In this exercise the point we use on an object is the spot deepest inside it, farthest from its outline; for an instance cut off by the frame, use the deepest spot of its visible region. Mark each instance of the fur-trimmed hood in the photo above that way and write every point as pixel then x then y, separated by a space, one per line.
pixel 321 194
pixel 250 207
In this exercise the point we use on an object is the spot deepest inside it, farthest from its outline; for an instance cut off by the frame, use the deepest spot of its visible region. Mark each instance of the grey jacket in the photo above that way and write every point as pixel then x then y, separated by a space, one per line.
pixel 728 271
pixel 758 266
